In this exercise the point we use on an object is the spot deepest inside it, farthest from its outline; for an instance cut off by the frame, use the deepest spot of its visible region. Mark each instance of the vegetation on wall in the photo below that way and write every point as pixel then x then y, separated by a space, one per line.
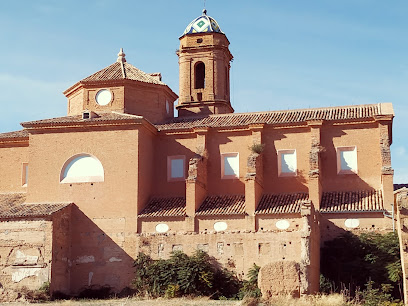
pixel 257 148
pixel 366 267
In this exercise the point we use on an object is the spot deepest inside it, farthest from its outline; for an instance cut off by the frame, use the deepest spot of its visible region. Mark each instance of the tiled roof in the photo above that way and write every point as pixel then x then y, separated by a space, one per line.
pixel 399 186
pixel 165 207
pixel 16 134
pixel 222 205
pixel 102 117
pixel 115 72
pixel 281 203
pixel 352 201
pixel 11 206
pixel 275 117
pixel 230 120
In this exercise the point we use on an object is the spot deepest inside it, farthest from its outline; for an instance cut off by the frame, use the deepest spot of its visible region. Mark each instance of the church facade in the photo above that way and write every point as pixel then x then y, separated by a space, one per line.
pixel 82 195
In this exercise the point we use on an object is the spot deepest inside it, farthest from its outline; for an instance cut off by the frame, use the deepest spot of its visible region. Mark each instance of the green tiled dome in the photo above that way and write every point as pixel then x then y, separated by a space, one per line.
pixel 203 24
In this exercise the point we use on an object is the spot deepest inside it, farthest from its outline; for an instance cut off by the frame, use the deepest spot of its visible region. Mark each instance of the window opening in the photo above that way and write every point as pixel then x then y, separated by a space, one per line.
pixel 287 164
pixel 200 75
pixel 82 168
pixel 229 165
pixel 346 160
pixel 176 167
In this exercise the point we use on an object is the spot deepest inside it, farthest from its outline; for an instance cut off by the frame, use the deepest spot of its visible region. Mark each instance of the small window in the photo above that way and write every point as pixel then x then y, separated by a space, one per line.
pixel 82 168
pixel 24 175
pixel 176 167
pixel 200 75
pixel 287 164
pixel 229 165
pixel 346 160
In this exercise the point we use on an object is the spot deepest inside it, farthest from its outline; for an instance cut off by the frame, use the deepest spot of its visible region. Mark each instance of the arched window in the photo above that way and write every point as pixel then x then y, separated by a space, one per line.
pixel 200 75
pixel 82 168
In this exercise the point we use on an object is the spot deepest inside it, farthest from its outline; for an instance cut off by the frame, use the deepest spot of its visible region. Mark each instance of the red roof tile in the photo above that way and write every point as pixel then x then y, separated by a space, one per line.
pixel 165 207
pixel 352 201
pixel 281 203
pixel 11 206
pixel 102 117
pixel 117 72
pixel 222 205
pixel 399 186
pixel 16 134
pixel 275 117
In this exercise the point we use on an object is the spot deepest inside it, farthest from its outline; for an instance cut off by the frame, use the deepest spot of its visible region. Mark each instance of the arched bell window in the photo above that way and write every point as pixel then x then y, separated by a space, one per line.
pixel 200 75
pixel 82 168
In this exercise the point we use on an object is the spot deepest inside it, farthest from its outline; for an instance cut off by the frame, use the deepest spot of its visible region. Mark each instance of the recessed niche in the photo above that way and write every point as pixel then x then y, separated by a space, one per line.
pixel 352 223
pixel 220 226
pixel 282 224
pixel 162 228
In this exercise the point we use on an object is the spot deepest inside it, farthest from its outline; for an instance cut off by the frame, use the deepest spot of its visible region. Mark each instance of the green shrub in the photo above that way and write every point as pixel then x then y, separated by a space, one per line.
pixel 369 261
pixel 250 287
pixel 182 275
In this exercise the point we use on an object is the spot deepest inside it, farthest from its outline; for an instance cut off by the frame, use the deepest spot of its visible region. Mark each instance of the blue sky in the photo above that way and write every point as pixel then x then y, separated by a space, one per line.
pixel 287 54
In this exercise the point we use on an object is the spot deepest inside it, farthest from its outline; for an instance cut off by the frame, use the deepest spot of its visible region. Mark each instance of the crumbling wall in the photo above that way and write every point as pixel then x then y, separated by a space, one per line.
pixel 234 249
pixel 299 275
pixel 25 253
pixel 402 227
pixel 61 251
pixel 280 278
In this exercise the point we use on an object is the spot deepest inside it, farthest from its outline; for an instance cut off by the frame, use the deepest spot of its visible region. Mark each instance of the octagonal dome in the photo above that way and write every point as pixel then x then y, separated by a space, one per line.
pixel 203 24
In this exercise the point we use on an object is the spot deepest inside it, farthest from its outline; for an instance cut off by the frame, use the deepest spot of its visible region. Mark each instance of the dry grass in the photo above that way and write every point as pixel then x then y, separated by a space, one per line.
pixel 313 300
pixel 318 300
pixel 137 302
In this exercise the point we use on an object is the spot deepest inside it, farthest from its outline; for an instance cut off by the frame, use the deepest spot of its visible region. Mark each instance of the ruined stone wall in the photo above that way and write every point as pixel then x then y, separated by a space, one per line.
pixel 334 225
pixel 235 250
pixel 61 251
pixel 25 253
pixel 402 228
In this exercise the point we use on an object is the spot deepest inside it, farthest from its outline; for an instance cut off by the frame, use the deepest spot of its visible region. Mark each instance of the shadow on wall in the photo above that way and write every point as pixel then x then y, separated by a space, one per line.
pixel 97 256
pixel 331 180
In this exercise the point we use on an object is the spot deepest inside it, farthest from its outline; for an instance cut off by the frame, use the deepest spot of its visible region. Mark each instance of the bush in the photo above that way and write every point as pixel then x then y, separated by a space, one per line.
pixel 369 261
pixel 257 148
pixel 182 275
pixel 250 287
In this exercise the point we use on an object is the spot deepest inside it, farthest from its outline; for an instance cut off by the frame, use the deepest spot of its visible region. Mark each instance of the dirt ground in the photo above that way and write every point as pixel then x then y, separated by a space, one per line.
pixel 137 302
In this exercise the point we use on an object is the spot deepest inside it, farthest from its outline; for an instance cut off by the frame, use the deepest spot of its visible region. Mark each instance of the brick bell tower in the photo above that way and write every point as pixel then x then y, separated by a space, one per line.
pixel 204 67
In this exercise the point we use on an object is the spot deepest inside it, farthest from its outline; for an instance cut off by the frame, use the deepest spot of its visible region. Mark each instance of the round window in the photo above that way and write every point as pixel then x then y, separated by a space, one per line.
pixel 220 226
pixel 103 97
pixel 162 228
pixel 282 224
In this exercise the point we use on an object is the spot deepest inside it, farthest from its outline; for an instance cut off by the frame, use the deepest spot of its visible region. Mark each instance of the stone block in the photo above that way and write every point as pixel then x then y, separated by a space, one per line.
pixel 279 278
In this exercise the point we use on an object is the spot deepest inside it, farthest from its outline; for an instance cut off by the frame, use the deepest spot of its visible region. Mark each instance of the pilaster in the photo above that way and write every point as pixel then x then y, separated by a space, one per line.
pixel 254 176
pixel 196 182
pixel 387 173
pixel 315 187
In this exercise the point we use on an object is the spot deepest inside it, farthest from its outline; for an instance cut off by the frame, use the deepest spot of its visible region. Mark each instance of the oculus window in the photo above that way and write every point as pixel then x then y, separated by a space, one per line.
pixel 287 164
pixel 346 160
pixel 229 165
pixel 176 168
pixel 82 168
pixel 103 97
